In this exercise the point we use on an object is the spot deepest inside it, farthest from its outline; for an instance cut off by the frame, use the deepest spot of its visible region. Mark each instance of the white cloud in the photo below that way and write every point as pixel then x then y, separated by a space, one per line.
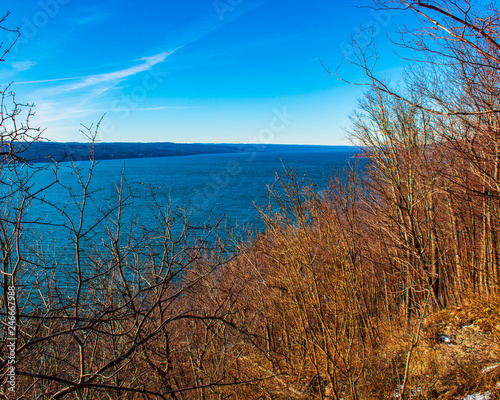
pixel 162 108
pixel 23 65
pixel 50 80
pixel 90 80
pixel 64 102
pixel 116 76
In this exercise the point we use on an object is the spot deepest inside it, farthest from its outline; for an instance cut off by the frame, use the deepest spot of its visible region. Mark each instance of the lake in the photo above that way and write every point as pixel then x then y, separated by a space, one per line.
pixel 211 187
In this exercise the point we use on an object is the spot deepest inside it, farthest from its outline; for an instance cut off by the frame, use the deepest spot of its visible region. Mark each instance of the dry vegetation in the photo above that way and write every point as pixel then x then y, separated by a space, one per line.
pixel 383 285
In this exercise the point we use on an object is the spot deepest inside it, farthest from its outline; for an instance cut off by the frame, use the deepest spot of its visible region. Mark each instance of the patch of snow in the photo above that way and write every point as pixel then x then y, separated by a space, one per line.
pixel 478 396
pixel 445 338
pixel 414 392
pixel 490 368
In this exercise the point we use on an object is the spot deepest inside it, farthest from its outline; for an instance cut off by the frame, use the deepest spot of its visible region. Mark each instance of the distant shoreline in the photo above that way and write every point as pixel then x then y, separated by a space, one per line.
pixel 40 152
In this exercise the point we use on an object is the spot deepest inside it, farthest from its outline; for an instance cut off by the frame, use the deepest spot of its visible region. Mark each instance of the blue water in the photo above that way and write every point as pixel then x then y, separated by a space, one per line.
pixel 211 187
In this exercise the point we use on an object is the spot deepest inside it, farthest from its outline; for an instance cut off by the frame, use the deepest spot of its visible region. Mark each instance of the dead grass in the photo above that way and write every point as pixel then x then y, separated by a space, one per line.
pixel 451 360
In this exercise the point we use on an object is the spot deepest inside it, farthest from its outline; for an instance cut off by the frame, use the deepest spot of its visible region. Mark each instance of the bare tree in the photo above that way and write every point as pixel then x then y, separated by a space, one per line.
pixel 5 48
pixel 97 312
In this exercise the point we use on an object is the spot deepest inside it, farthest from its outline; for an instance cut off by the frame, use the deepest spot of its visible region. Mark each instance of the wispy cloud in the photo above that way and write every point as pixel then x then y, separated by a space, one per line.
pixel 200 30
pixel 73 78
pixel 23 65
pixel 116 76
pixel 214 23
pixel 64 101
pixel 162 108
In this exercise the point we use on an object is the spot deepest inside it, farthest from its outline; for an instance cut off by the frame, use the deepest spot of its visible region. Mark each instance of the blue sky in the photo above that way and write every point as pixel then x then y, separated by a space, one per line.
pixel 233 71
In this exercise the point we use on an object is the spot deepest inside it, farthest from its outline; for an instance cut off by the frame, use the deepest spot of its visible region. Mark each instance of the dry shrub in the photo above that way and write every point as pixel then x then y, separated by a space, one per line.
pixel 304 300
pixel 456 346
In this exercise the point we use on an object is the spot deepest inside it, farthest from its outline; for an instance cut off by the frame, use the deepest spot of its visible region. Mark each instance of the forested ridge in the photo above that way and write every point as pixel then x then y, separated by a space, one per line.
pixel 384 285
pixel 48 151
